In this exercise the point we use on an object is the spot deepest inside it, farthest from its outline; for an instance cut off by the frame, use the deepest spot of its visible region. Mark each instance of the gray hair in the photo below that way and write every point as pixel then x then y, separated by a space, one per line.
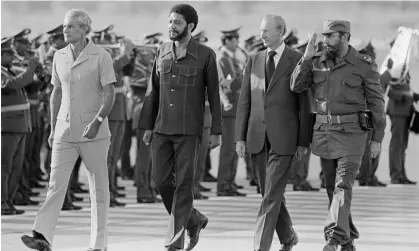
pixel 280 22
pixel 82 17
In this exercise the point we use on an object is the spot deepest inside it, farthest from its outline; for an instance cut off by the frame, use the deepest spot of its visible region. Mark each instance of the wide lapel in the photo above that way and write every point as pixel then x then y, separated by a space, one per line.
pixel 260 65
pixel 283 65
pixel 84 55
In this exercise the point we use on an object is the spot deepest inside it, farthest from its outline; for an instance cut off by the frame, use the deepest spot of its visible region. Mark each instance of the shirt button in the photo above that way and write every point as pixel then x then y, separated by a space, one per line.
pixel 171 105
pixel 173 76
pixel 175 62
pixel 266 107
pixel 172 90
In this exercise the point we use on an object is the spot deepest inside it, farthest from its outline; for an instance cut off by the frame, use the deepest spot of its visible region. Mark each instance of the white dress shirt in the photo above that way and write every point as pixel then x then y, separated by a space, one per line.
pixel 279 51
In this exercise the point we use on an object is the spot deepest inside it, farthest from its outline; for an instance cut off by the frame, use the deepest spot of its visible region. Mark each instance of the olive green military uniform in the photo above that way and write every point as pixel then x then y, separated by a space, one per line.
pixel 341 91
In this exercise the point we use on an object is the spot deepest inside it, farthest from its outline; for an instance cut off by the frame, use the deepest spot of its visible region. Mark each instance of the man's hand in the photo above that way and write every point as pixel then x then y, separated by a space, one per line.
pixel 228 107
pixel 241 149
pixel 91 129
pixel 148 136
pixel 301 151
pixel 375 149
pixel 311 47
pixel 214 141
pixel 51 138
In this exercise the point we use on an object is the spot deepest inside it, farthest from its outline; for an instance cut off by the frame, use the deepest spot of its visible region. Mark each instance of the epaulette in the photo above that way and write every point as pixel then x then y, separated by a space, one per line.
pixel 366 58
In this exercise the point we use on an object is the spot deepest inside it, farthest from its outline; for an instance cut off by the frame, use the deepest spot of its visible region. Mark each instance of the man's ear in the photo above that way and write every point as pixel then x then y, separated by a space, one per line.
pixel 191 26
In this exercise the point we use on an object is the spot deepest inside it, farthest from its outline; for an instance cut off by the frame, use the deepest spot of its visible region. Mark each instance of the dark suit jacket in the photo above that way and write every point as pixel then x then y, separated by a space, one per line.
pixel 277 112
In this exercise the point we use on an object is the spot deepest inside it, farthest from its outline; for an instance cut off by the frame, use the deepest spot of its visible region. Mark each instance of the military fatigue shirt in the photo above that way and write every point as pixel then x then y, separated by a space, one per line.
pixel 175 100
pixel 346 88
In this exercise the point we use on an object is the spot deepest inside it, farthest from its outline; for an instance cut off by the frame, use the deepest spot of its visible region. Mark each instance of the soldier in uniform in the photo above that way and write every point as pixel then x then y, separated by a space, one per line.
pixel 203 154
pixel 366 175
pixel 15 117
pixel 400 110
pixel 230 73
pixel 344 84
pixel 299 169
pixel 117 117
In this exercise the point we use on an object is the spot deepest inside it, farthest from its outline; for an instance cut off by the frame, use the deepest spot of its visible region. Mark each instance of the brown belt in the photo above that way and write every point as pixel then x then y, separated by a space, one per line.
pixel 339 119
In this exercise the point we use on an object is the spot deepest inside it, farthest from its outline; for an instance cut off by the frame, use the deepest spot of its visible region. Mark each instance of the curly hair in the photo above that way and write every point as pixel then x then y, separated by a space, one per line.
pixel 188 12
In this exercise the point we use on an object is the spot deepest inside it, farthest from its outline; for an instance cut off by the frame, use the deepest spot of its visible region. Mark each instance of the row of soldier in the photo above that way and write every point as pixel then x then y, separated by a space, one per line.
pixel 25 128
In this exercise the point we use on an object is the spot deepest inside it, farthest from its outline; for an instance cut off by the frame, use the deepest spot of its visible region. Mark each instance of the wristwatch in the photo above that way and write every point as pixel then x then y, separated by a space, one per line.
pixel 99 118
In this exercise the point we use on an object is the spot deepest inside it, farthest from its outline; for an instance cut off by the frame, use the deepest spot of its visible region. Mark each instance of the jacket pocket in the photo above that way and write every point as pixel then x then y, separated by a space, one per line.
pixel 352 89
pixel 165 70
pixel 187 76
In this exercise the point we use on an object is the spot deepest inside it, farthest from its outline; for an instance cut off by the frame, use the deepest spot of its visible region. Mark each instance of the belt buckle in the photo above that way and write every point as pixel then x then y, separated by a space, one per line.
pixel 329 118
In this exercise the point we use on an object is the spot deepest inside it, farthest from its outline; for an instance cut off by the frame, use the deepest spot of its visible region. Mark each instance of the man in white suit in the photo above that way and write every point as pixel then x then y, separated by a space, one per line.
pixel 83 78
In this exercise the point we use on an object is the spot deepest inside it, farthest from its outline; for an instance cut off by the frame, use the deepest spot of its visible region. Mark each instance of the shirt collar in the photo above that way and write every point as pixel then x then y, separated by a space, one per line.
pixel 90 48
pixel 228 52
pixel 279 51
pixel 191 49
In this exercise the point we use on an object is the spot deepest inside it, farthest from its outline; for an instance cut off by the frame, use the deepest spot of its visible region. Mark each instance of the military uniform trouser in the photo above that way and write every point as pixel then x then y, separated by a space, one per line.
pixel 64 155
pixel 202 158
pixel 117 128
pixel 36 154
pixel 299 170
pixel 368 165
pixel 25 182
pixel 273 215
pixel 174 159
pixel 126 147
pixel 143 168
pixel 12 155
pixel 227 169
pixel 339 177
pixel 398 145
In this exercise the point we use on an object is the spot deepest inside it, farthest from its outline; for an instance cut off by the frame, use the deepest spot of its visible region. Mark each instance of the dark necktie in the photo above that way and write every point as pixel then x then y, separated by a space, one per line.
pixel 270 68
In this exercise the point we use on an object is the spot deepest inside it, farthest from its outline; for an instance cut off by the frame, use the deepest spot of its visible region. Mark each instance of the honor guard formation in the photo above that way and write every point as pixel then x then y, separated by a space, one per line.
pixel 74 95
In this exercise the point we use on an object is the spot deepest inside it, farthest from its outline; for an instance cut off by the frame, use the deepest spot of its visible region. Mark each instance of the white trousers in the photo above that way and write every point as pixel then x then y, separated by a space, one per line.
pixel 64 155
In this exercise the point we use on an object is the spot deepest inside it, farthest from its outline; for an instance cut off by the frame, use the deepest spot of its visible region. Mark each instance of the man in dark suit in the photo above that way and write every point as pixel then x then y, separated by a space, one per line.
pixel 273 123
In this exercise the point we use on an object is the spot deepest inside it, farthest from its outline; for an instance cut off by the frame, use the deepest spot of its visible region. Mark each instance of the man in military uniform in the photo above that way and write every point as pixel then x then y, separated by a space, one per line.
pixel 344 84
pixel 203 153
pixel 400 110
pixel 366 175
pixel 299 170
pixel 15 116
pixel 117 117
pixel 230 72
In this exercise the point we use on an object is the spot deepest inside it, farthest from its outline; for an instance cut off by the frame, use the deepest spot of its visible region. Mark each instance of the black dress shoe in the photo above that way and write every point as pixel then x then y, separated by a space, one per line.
pixel 78 189
pixel 200 197
pixel 27 202
pixel 170 248
pixel 192 235
pixel 115 203
pixel 17 211
pixel 71 207
pixel 253 183
pixel 204 189
pixel 237 186
pixel 408 182
pixel 230 194
pixel 376 183
pixel 6 210
pixel 118 195
pixel 36 243
pixel 209 178
pixel 288 246
pixel 332 245
pixel 75 198
pixel 146 200
pixel 348 247
pixel 34 194
pixel 398 182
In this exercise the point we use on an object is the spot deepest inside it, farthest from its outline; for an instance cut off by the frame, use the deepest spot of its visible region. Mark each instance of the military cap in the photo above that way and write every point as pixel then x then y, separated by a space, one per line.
pixel 152 38
pixel 336 25
pixel 57 30
pixel 200 37
pixel 231 33
pixel 250 40
pixel 22 35
pixel 6 45
pixel 105 30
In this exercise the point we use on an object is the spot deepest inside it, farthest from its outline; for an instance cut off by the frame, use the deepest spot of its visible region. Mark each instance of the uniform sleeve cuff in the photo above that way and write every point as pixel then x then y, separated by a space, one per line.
pixel 377 136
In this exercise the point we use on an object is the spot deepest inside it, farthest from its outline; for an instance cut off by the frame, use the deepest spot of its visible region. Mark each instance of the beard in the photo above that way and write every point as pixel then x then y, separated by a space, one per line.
pixel 179 36
pixel 333 51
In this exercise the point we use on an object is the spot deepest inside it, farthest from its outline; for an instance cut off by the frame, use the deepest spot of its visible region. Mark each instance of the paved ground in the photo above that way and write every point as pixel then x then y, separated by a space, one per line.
pixel 387 218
